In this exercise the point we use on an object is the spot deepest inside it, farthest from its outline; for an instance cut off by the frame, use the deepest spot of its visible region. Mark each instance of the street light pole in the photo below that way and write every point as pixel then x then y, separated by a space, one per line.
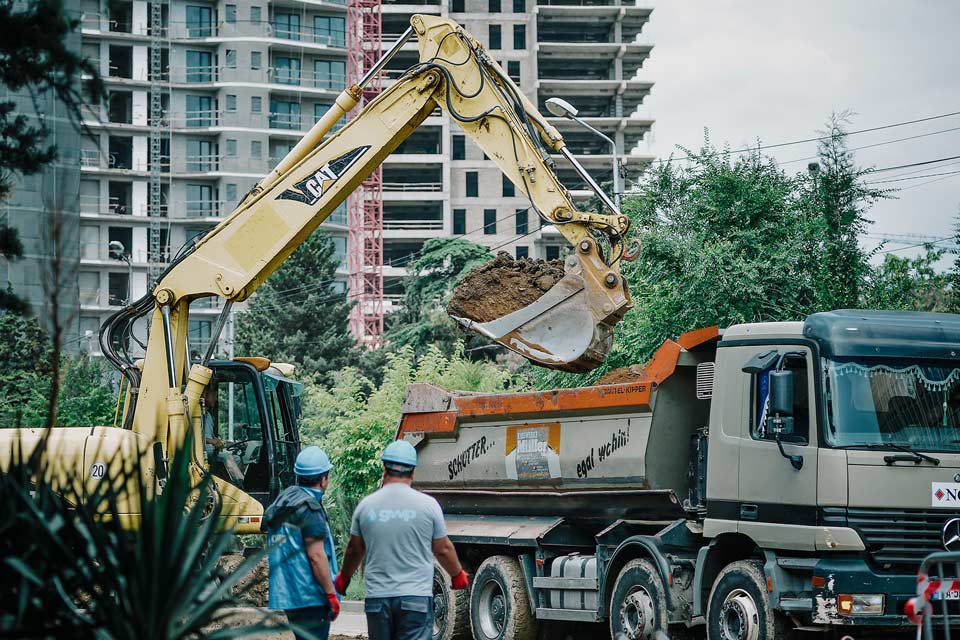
pixel 563 109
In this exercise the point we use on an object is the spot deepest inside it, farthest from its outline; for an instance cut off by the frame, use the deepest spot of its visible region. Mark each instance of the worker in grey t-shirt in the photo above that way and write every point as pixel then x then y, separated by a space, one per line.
pixel 398 531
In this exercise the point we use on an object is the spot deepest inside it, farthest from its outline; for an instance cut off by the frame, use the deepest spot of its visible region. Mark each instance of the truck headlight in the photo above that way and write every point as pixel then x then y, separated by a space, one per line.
pixel 860 604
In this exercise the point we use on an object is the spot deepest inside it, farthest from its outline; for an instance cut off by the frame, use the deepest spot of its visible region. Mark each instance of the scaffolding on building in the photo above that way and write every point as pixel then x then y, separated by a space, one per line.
pixel 157 252
pixel 365 208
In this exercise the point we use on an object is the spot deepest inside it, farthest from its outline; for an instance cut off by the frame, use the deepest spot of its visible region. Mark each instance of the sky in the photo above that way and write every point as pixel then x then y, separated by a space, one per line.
pixel 774 71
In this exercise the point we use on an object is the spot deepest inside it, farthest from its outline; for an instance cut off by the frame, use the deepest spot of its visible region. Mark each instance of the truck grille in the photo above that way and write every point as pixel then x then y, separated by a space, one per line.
pixel 896 539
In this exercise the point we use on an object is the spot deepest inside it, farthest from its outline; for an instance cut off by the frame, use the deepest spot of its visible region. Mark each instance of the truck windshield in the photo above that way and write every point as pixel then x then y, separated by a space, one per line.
pixel 908 403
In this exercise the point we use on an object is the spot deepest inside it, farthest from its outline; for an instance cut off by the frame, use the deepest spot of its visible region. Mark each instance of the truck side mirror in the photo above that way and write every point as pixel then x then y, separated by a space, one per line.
pixel 781 392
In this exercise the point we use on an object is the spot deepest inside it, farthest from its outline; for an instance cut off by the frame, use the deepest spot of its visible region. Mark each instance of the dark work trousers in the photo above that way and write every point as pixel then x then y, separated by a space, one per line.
pixel 400 618
pixel 313 620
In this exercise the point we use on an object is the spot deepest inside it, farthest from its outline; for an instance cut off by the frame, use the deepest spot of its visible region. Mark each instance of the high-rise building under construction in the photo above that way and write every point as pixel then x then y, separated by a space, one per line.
pixel 205 97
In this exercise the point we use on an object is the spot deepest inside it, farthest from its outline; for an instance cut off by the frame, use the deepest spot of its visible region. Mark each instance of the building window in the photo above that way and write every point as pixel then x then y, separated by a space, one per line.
pixel 520 36
pixel 287 26
pixel 508 189
pixel 523 251
pixel 330 74
pixel 201 155
pixel 230 59
pixel 231 148
pixel 553 252
pixel 459 222
pixel 120 62
pixel 199 111
pixel 284 114
pixel 231 102
pixel 230 13
pixel 121 152
pixel 256 104
pixel 330 30
pixel 456 6
pixel 459 150
pixel 473 189
pixel 231 193
pixel 119 289
pixel 199 66
pixel 200 201
pixel 199 21
pixel 519 6
pixel 494 36
pixel 522 221
pixel 256 149
pixel 286 70
pixel 256 60
pixel 255 15
pixel 513 70
pixel 489 222
pixel 120 107
pixel 493 6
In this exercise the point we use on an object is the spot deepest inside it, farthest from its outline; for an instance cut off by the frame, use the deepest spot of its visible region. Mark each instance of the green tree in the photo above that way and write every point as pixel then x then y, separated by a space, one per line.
pixel 354 427
pixel 909 284
pixel 86 396
pixel 422 319
pixel 25 378
pixel 839 199
pixel 298 315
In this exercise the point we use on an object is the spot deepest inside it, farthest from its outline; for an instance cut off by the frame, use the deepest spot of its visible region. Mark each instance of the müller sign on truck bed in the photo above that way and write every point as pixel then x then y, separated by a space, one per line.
pixel 751 481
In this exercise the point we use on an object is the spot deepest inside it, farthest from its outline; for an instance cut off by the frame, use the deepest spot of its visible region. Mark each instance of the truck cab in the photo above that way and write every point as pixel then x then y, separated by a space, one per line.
pixel 847 500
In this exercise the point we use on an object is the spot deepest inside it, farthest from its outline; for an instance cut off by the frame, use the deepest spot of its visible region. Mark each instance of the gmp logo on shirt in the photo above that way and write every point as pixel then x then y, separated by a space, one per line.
pixel 386 515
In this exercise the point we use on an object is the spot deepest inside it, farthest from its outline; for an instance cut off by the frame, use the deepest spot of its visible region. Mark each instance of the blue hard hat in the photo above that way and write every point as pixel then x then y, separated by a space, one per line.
pixel 400 452
pixel 312 461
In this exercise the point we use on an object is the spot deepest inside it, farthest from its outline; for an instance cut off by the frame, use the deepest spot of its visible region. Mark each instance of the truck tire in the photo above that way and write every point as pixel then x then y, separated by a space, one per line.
pixel 638 606
pixel 499 606
pixel 451 609
pixel 739 609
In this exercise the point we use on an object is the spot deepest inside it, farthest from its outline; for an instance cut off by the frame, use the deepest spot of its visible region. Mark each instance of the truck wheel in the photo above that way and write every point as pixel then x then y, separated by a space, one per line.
pixel 499 606
pixel 638 608
pixel 451 609
pixel 739 608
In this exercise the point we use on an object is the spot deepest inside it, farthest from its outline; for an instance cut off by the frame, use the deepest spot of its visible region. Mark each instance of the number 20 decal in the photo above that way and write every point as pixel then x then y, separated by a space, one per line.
pixel 98 470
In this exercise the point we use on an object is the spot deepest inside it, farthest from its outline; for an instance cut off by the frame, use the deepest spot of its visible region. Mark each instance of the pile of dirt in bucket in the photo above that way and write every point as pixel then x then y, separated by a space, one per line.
pixel 503 286
pixel 623 375
pixel 256 583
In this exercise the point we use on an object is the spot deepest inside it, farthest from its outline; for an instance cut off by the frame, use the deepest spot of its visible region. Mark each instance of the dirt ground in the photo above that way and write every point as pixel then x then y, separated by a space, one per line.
pixel 632 373
pixel 503 286
pixel 257 580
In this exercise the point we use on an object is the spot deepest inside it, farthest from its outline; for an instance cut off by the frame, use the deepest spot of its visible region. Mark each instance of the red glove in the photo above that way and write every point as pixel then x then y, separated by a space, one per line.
pixel 460 580
pixel 341 583
pixel 334 605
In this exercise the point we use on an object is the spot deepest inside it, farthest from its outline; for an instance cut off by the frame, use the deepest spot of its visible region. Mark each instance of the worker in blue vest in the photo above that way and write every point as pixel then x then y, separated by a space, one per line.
pixel 303 559
pixel 397 532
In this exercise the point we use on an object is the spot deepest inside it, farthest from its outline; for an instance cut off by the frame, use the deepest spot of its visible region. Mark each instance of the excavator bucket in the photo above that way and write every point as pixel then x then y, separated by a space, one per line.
pixel 569 326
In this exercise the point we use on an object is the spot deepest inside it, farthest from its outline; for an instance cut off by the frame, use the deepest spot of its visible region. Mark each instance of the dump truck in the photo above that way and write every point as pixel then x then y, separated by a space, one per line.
pixel 747 482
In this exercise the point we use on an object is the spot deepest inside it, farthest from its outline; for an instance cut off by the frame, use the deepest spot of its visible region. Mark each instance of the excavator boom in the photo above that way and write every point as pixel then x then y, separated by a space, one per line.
pixel 570 327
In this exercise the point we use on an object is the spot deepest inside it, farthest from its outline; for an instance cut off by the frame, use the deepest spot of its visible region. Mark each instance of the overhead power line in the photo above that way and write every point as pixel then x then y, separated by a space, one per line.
pixel 820 138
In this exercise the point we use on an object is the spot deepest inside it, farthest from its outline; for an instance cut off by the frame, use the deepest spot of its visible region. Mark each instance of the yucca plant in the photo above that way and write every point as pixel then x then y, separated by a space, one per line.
pixel 70 569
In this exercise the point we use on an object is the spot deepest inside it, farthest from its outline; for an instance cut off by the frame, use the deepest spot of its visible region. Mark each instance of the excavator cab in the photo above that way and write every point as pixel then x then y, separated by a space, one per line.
pixel 251 412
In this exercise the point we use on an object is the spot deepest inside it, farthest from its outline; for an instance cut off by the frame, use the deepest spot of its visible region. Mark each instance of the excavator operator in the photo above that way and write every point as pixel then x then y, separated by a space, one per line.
pixel 221 460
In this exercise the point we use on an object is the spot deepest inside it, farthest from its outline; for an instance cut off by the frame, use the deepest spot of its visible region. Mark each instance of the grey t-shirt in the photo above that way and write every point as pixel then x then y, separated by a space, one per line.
pixel 398 525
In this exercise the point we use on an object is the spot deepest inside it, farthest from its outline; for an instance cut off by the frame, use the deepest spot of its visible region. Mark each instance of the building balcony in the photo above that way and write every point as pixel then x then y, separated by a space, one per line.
pixel 589 61
pixel 97 25
pixel 573 21
pixel 595 98
pixel 581 141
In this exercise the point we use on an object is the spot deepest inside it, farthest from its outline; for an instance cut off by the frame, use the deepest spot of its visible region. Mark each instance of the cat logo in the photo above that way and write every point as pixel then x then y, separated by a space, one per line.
pixel 310 190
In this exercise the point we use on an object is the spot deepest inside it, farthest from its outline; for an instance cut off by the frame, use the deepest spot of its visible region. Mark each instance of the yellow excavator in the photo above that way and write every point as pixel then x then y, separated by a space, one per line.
pixel 570 327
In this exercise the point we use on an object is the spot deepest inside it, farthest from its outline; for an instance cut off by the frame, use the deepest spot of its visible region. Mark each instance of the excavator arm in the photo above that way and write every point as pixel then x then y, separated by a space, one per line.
pixel 570 327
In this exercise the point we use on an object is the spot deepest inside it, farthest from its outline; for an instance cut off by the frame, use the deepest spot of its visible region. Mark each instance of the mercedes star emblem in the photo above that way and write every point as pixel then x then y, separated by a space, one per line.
pixel 951 535
pixel 956 477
